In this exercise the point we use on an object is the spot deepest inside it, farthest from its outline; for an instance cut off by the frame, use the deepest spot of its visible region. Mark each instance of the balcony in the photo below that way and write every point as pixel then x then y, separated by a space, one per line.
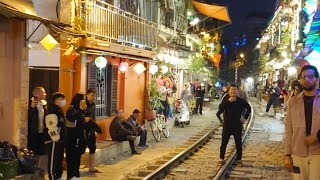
pixel 111 24
pixel 167 19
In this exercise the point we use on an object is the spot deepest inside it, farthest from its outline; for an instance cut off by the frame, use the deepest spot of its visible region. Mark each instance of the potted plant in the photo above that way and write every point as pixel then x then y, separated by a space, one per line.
pixel 153 97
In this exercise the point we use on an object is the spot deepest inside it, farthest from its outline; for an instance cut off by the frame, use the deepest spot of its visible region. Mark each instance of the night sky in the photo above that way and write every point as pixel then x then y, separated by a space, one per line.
pixel 239 9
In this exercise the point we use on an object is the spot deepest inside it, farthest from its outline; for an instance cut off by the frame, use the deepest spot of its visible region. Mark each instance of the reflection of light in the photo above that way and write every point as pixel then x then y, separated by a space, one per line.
pixel 250 80
pixel 284 54
pixel 189 13
pixel 292 71
pixel 194 21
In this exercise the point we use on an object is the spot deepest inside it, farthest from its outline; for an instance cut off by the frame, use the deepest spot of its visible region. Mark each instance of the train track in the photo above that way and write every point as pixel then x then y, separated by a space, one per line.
pixel 198 149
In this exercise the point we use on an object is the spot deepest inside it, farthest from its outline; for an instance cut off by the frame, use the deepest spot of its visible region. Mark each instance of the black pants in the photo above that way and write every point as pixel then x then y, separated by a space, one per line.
pixel 199 105
pixel 127 138
pixel 143 137
pixel 91 141
pixel 73 162
pixel 272 101
pixel 237 133
pixel 55 158
pixel 165 110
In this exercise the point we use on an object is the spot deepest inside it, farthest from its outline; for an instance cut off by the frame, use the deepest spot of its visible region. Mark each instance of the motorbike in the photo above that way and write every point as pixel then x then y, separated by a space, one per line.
pixel 182 113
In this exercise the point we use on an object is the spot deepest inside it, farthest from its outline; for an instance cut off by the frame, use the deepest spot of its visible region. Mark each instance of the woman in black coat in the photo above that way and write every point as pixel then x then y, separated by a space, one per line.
pixel 75 141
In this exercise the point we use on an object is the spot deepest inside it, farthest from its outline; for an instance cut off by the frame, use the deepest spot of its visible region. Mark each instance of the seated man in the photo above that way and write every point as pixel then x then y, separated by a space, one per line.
pixel 142 132
pixel 121 130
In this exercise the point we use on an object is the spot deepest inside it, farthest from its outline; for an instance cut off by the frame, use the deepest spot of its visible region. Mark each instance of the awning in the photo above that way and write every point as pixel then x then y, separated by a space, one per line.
pixel 214 11
pixel 8 11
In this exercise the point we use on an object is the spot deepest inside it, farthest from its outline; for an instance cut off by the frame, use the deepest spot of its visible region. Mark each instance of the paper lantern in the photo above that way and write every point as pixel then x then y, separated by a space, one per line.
pixel 139 68
pixel 100 62
pixel 123 67
pixel 153 69
pixel 164 69
pixel 48 42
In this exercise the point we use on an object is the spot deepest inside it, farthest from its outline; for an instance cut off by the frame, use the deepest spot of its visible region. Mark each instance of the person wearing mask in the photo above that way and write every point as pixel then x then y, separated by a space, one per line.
pixel 232 109
pixel 302 149
pixel 199 98
pixel 75 141
pixel 90 129
pixel 55 124
pixel 36 137
pixel 121 130
pixel 140 129
pixel 274 92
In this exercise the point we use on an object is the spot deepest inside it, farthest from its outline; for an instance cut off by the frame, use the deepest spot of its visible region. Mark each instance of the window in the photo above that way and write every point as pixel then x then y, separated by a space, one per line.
pixel 105 82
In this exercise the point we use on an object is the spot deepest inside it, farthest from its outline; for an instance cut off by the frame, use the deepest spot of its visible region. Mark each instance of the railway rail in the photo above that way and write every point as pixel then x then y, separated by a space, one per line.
pixel 191 150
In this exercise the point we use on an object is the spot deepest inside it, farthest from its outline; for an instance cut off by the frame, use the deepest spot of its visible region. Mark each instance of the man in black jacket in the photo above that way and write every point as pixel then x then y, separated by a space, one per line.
pixel 232 109
pixel 56 147
pixel 199 96
pixel 36 112
pixel 274 96
pixel 121 130
pixel 90 130
pixel 141 130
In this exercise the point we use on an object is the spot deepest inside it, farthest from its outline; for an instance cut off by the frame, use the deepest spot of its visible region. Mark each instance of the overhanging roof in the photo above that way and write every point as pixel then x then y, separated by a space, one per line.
pixel 214 11
pixel 8 10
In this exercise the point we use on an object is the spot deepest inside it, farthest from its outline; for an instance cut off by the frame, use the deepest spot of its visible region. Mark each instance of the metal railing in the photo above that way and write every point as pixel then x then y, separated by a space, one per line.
pixel 112 24
pixel 167 19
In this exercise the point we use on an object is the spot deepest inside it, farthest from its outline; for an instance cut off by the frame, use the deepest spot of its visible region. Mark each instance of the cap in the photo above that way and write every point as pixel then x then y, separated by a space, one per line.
pixel 136 111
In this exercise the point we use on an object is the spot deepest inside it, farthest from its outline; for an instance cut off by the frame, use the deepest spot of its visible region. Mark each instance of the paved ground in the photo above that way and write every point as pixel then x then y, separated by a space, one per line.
pixel 121 166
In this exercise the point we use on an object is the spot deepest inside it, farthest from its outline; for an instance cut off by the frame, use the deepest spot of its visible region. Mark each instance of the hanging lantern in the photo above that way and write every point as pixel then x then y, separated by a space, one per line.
pixel 139 68
pixel 48 42
pixel 164 69
pixel 100 62
pixel 123 67
pixel 153 69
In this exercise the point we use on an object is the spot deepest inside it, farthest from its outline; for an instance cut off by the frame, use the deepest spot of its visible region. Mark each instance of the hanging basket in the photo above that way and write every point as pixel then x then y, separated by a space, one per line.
pixel 151 115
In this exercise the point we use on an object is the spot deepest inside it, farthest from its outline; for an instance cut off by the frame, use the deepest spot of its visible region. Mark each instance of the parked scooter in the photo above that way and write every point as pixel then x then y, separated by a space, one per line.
pixel 182 113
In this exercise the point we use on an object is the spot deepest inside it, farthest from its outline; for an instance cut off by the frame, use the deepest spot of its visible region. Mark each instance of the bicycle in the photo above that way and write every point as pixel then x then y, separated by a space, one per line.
pixel 158 126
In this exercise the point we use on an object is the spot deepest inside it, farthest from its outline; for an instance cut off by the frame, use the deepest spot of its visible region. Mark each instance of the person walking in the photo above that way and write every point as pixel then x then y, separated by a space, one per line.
pixel 165 91
pixel 140 129
pixel 36 126
pixel 260 90
pixel 199 99
pixel 55 124
pixel 75 141
pixel 274 92
pixel 232 108
pixel 302 149
pixel 90 129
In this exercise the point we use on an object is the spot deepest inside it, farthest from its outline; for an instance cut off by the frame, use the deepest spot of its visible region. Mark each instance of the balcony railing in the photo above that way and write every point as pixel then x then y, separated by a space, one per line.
pixel 167 19
pixel 112 24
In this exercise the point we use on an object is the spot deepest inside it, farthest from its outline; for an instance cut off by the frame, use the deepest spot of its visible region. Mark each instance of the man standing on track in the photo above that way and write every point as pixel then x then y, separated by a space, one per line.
pixel 302 124
pixel 232 124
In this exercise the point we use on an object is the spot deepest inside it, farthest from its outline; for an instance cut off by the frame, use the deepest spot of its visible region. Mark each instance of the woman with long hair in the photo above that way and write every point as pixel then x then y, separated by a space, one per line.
pixel 75 141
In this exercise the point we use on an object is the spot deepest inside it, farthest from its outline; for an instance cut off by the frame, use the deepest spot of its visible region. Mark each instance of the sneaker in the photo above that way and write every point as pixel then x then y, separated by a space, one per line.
pixel 135 152
pixel 140 146
pixel 146 146
pixel 75 178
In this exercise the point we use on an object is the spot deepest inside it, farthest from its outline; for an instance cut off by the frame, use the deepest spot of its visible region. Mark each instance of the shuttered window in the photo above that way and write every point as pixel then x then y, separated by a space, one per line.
pixel 105 82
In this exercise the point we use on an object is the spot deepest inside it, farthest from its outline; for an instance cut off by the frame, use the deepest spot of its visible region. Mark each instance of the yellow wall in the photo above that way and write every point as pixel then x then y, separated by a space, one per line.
pixel 14 81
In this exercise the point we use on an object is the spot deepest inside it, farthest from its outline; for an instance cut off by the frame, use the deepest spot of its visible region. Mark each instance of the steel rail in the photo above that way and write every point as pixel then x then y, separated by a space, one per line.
pixel 165 168
pixel 224 169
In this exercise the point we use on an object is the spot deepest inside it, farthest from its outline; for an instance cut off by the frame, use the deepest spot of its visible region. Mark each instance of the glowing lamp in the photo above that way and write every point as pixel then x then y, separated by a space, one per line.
pixel 48 42
pixel 100 62
pixel 164 69
pixel 153 69
pixel 139 68
pixel 123 67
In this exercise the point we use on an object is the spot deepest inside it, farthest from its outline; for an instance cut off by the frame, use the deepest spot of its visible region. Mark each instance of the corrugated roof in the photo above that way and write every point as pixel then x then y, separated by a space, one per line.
pixel 11 12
